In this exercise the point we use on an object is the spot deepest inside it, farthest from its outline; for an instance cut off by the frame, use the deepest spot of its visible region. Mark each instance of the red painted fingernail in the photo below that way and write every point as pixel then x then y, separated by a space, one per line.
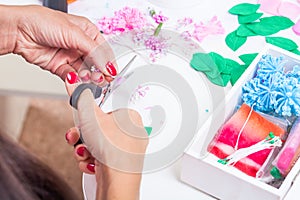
pixel 86 77
pixel 100 79
pixel 80 151
pixel 91 167
pixel 67 135
pixel 111 68
pixel 72 77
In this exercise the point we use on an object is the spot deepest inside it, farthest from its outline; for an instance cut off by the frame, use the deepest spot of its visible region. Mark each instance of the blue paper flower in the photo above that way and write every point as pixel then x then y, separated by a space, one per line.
pixel 269 65
pixel 273 89
pixel 287 98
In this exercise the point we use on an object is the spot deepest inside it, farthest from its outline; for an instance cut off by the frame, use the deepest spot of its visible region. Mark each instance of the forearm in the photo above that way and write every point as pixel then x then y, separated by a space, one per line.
pixel 8 28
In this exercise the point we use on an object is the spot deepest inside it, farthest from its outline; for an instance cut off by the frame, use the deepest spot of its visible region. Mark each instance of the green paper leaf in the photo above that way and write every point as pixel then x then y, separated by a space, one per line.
pixel 213 66
pixel 243 31
pixel 148 129
pixel 282 42
pixel 236 70
pixel 243 19
pixel 237 73
pixel 270 25
pixel 248 58
pixel 221 80
pixel 202 62
pixel 219 61
pixel 234 41
pixel 296 51
pixel 244 9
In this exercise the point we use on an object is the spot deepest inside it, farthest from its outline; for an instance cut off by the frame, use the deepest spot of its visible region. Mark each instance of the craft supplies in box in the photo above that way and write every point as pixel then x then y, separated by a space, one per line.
pixel 249 147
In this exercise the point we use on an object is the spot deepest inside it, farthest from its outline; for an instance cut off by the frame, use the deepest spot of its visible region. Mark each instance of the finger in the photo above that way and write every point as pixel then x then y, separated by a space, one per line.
pixel 87 166
pixel 88 115
pixel 71 82
pixel 72 135
pixel 81 153
pixel 98 79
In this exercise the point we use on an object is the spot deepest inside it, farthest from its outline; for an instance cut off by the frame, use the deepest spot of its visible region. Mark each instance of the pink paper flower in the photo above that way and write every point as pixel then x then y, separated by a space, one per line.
pixel 123 20
pixel 184 22
pixel 212 27
pixel 159 18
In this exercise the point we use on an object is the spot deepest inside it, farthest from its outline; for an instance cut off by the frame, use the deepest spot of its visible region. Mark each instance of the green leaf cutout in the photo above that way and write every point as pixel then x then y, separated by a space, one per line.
pixel 148 129
pixel 282 42
pixel 202 62
pixel 248 58
pixel 213 66
pixel 238 71
pixel 234 41
pixel 243 19
pixel 244 9
pixel 296 51
pixel 270 25
pixel 243 31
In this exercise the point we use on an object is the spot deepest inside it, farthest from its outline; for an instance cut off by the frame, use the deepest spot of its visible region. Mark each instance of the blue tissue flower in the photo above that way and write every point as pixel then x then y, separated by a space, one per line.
pixel 287 98
pixel 269 65
pixel 273 90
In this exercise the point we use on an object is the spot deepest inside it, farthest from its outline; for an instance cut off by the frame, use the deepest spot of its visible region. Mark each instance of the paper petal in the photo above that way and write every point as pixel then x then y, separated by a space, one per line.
pixel 296 27
pixel 269 6
pixel 289 10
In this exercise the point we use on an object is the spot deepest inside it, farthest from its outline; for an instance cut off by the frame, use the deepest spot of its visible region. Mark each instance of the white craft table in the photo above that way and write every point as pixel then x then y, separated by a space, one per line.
pixel 17 76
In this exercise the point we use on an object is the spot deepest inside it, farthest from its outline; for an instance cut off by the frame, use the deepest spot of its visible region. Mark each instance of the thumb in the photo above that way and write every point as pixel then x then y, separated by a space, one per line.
pixel 88 114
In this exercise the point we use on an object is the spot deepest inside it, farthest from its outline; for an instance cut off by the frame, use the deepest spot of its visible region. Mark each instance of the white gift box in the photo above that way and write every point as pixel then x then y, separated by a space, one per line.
pixel 225 182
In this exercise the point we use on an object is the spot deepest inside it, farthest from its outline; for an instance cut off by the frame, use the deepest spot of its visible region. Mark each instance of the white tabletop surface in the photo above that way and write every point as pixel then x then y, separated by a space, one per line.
pixel 164 184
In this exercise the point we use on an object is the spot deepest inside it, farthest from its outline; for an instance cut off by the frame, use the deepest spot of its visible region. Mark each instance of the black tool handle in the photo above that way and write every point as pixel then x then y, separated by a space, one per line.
pixel 60 5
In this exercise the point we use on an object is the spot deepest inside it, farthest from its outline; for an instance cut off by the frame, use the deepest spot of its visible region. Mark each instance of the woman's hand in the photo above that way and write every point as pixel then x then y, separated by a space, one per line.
pixel 55 41
pixel 115 142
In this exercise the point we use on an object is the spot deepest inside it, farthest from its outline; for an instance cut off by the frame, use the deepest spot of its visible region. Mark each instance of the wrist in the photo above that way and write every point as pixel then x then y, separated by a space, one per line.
pixel 8 26
pixel 117 185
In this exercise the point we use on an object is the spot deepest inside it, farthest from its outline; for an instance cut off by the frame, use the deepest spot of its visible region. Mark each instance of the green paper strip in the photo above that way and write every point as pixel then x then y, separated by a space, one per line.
pixel 270 25
pixel 234 41
pixel 248 58
pixel 243 31
pixel 244 9
pixel 282 42
pixel 243 19
pixel 148 129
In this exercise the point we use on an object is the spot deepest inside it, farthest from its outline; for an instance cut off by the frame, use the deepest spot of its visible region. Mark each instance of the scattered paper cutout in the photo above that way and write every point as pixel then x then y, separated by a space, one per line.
pixel 282 42
pixel 270 25
pixel 243 19
pixel 243 31
pixel 296 27
pixel 248 58
pixel 244 9
pixel 289 9
pixel 269 6
pixel 218 70
pixel 235 41
pixel 148 129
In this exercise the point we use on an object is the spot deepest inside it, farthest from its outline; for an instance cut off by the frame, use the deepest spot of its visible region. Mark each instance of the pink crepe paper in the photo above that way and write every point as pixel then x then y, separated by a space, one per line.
pixel 212 27
pixel 296 27
pixel 289 10
pixel 269 6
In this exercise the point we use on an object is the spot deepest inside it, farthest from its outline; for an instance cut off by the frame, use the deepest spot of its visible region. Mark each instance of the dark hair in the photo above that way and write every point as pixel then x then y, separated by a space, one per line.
pixel 23 176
